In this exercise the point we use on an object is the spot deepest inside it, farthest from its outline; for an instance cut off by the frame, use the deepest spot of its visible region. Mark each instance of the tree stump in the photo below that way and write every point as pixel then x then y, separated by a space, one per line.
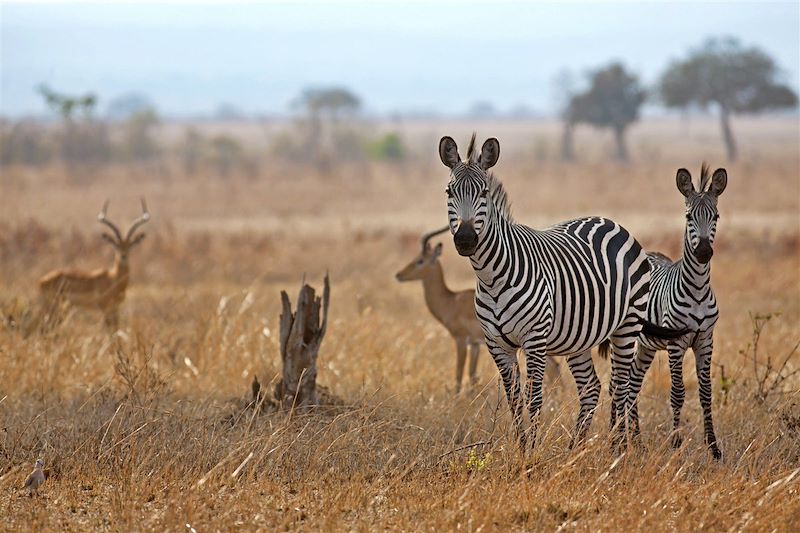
pixel 301 335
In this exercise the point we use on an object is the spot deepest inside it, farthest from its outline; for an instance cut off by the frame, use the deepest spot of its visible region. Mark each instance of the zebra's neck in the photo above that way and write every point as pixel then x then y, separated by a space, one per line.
pixel 695 276
pixel 492 259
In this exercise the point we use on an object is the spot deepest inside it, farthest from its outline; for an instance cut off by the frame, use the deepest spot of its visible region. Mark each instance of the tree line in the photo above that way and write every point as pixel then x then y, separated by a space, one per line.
pixel 720 73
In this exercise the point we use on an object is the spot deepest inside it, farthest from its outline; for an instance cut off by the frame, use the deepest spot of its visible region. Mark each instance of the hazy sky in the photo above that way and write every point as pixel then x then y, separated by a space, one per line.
pixel 188 58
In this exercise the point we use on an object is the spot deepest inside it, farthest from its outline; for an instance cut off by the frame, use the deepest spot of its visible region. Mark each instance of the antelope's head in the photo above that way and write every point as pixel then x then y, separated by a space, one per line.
pixel 701 209
pixel 468 190
pixel 419 267
pixel 122 245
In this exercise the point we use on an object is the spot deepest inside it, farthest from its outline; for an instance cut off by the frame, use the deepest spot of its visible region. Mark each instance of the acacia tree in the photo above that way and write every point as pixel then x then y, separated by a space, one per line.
pixel 612 101
pixel 723 73
pixel 322 111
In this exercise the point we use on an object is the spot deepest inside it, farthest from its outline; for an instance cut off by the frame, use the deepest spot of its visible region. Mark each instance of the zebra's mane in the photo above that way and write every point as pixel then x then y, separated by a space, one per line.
pixel 496 190
pixel 472 153
pixel 499 197
pixel 704 176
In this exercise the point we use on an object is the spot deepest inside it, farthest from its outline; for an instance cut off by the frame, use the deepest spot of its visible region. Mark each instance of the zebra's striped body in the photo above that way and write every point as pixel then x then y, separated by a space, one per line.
pixel 681 298
pixel 558 291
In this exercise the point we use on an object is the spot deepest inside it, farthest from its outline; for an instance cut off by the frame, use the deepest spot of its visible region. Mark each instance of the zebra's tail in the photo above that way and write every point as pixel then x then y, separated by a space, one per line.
pixel 604 348
pixel 660 332
pixel 650 329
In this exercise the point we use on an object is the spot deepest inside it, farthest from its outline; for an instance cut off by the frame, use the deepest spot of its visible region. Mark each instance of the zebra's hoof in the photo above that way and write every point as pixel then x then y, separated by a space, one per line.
pixel 716 453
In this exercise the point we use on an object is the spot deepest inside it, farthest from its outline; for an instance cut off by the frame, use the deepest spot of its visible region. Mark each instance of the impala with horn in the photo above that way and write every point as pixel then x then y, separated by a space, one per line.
pixel 454 310
pixel 102 289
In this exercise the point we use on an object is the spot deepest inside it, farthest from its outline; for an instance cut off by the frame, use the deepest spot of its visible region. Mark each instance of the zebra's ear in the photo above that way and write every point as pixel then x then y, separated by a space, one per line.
pixel 718 181
pixel 448 151
pixel 684 182
pixel 490 153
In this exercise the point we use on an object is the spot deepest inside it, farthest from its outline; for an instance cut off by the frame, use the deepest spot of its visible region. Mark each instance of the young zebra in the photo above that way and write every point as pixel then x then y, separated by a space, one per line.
pixel 681 297
pixel 558 291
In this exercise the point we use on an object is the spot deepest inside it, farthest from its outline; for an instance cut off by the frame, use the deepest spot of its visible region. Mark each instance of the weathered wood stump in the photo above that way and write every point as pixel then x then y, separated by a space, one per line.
pixel 301 335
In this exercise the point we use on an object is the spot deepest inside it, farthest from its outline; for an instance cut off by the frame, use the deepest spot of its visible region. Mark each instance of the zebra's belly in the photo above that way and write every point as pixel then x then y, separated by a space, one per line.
pixel 572 333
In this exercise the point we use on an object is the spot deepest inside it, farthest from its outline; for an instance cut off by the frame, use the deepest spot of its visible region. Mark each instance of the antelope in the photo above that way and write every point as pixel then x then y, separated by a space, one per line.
pixel 454 310
pixel 102 289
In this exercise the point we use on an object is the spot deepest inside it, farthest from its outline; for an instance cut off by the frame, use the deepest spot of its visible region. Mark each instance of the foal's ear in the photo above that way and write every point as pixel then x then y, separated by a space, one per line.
pixel 490 153
pixel 684 182
pixel 448 152
pixel 718 182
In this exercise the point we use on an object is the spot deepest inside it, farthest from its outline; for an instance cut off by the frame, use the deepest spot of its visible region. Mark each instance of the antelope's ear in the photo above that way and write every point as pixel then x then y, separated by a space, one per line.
pixel 110 239
pixel 437 250
pixel 718 182
pixel 448 152
pixel 490 153
pixel 139 238
pixel 684 182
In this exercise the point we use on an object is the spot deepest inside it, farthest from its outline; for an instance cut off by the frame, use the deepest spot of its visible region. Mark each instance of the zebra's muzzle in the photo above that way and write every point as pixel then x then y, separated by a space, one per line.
pixel 465 239
pixel 703 251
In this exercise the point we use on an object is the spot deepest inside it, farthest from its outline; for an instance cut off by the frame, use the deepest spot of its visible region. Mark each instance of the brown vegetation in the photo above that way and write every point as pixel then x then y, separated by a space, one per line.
pixel 153 428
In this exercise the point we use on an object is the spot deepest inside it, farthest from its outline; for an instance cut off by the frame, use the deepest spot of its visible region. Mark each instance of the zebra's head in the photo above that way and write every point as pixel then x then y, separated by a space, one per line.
pixel 701 209
pixel 468 190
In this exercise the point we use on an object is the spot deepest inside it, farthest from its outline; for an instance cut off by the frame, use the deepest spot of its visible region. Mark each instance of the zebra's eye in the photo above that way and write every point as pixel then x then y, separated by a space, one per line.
pixel 688 217
pixel 484 193
pixel 716 217
pixel 448 192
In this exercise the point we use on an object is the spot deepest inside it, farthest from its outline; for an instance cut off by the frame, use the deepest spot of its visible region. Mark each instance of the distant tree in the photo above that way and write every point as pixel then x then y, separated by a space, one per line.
pixel 125 106
pixel 138 135
pixel 735 79
pixel 81 139
pixel 322 111
pixel 67 106
pixel 612 101
pixel 482 109
pixel 328 103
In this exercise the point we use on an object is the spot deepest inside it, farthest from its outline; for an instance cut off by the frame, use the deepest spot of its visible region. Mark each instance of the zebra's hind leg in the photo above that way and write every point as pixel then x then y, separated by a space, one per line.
pixel 623 346
pixel 677 393
pixel 508 366
pixel 641 363
pixel 535 362
pixel 703 347
pixel 582 368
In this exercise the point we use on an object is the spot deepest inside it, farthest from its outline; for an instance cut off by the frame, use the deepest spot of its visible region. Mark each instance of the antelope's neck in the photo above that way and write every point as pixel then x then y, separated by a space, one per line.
pixel 438 297
pixel 120 271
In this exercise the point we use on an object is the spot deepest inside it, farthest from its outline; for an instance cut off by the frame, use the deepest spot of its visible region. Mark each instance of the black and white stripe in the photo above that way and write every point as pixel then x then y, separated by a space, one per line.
pixel 558 291
pixel 681 298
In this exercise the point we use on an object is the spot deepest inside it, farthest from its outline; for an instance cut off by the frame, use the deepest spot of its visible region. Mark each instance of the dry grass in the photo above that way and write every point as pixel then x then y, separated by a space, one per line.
pixel 151 429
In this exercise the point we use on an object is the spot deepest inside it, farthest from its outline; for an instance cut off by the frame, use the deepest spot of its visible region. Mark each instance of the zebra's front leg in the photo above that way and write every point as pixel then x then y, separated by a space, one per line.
pixel 582 368
pixel 641 363
pixel 535 362
pixel 508 366
pixel 677 392
pixel 703 347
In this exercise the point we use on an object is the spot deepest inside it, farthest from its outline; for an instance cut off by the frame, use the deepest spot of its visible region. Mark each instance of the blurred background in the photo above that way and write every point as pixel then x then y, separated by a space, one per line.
pixel 188 88
pixel 278 141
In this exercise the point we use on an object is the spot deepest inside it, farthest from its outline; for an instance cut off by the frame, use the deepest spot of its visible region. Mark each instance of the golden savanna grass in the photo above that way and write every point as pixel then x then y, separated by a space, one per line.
pixel 151 428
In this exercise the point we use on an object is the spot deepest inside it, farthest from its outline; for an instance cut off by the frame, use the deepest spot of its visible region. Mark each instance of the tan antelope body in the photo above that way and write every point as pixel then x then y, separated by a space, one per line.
pixel 455 310
pixel 102 289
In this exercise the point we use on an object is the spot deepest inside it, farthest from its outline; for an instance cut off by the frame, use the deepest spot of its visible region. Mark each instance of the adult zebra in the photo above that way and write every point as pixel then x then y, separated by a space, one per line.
pixel 558 291
pixel 681 297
